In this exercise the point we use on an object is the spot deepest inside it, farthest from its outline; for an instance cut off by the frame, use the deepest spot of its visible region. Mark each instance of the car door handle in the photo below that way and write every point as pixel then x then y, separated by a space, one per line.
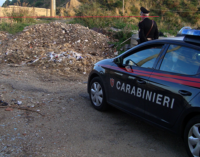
pixel 141 82
pixel 184 93
pixel 118 74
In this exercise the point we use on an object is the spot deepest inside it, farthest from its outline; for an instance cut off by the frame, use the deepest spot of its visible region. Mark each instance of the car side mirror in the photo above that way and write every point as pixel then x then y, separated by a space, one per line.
pixel 118 61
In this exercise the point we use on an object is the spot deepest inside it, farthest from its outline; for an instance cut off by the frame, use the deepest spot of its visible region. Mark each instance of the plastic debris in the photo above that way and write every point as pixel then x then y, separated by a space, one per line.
pixel 19 102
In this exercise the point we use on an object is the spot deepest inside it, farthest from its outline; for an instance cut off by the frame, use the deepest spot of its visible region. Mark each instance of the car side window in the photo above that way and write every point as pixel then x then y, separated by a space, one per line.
pixel 143 58
pixel 181 60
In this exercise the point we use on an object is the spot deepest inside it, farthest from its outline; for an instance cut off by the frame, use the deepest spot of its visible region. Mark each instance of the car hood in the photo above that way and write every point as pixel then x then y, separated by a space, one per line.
pixel 104 61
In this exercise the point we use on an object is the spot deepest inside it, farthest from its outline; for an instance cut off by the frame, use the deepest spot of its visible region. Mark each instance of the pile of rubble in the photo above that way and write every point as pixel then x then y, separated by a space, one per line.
pixel 57 46
pixel 4 35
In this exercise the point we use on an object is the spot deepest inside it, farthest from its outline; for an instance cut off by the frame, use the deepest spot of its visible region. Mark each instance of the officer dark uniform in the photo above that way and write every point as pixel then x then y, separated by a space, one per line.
pixel 148 29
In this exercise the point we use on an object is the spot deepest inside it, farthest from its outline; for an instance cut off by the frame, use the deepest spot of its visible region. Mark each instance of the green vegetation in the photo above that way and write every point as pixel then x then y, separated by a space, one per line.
pixel 39 3
pixel 17 20
pixel 95 9
pixel 13 28
pixel 172 15
pixel 48 19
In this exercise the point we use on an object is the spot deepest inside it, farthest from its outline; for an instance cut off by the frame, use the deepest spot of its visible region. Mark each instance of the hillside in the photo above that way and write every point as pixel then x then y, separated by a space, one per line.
pixel 173 15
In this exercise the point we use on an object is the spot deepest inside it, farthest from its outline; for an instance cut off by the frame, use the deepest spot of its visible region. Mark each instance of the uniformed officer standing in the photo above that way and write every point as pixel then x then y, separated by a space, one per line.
pixel 148 29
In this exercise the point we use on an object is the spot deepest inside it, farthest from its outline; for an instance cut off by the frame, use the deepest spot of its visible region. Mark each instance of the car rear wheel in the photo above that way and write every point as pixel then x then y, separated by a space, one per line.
pixel 192 137
pixel 97 94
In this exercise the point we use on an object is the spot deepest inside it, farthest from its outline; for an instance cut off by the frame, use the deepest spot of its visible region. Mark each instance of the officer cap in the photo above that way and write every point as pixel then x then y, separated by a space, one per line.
pixel 143 10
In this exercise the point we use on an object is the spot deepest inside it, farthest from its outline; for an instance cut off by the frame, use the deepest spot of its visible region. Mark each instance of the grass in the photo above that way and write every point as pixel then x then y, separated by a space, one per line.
pixel 13 28
pixel 49 19
pixel 171 32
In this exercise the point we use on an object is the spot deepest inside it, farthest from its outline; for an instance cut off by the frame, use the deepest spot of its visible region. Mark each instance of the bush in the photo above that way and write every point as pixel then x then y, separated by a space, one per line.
pixel 38 4
pixel 96 9
pixel 122 35
pixel 134 10
pixel 119 24
pixel 90 10
pixel 118 4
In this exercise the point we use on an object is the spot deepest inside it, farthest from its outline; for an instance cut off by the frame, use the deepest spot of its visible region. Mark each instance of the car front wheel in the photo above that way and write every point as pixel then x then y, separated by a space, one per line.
pixel 192 137
pixel 97 94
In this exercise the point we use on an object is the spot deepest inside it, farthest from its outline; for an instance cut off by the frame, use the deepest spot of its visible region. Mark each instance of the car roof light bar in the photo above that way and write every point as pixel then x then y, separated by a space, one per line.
pixel 187 31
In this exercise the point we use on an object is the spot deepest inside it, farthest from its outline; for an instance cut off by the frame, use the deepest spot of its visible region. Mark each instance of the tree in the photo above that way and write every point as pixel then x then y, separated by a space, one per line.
pixel 13 2
pixel 39 3
pixel 6 3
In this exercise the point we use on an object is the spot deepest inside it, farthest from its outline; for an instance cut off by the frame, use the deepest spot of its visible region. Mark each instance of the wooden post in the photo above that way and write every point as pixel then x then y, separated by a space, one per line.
pixel 53 7
pixel 123 7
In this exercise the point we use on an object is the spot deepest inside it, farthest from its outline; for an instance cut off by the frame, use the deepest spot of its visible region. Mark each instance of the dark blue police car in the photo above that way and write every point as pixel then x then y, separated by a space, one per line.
pixel 157 81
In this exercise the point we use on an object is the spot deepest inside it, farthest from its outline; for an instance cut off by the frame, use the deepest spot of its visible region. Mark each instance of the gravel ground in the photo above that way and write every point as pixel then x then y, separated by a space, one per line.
pixel 51 115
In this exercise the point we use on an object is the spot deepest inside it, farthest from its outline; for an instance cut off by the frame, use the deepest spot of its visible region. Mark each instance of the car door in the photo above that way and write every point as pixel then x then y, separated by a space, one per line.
pixel 172 85
pixel 128 81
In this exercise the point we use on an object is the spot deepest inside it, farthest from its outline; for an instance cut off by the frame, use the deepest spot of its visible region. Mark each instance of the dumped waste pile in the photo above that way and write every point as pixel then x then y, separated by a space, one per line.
pixel 62 48
pixel 4 35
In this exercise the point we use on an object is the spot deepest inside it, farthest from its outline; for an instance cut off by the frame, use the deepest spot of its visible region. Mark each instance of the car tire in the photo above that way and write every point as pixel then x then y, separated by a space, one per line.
pixel 192 137
pixel 97 94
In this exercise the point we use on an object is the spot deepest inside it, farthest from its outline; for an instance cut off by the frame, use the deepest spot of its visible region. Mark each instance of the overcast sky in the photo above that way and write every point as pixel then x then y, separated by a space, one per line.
pixel 1 2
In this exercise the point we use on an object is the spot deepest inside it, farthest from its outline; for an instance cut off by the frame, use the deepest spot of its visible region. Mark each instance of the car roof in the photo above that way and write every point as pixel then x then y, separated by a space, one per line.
pixel 172 38
pixel 186 39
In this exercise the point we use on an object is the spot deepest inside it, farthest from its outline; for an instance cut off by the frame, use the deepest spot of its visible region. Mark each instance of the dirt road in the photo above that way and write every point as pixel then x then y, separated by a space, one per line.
pixel 70 126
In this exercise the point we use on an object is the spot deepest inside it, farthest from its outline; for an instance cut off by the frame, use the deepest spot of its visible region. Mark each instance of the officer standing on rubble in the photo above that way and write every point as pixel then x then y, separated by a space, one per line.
pixel 148 29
